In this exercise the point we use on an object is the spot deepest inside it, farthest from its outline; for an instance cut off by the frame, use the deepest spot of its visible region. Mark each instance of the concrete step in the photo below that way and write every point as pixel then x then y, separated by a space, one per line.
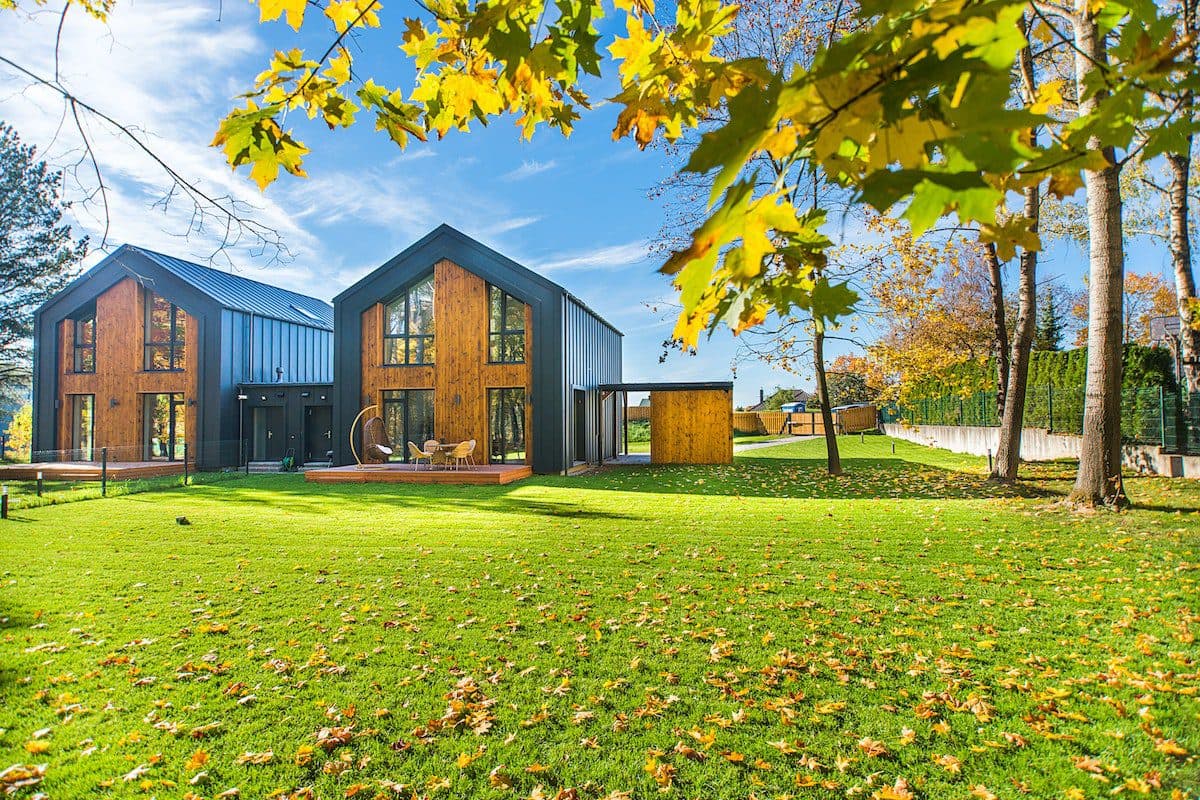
pixel 274 466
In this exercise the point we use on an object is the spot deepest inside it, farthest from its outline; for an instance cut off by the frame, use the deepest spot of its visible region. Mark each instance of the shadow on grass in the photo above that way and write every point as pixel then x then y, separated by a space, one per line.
pixel 808 478
pixel 295 495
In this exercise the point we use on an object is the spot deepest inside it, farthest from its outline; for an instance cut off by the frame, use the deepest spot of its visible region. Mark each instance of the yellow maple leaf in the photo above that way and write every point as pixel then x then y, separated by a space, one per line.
pixel 269 10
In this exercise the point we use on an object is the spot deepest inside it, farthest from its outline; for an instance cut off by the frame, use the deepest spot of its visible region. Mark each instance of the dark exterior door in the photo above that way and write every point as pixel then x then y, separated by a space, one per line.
pixel 580 425
pixel 318 433
pixel 268 435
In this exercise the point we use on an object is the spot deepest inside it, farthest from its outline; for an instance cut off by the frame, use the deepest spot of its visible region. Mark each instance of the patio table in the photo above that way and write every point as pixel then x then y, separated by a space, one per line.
pixel 441 450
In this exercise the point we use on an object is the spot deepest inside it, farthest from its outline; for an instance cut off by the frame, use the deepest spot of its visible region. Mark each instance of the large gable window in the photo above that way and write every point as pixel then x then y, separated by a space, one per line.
pixel 506 327
pixel 84 344
pixel 408 326
pixel 165 332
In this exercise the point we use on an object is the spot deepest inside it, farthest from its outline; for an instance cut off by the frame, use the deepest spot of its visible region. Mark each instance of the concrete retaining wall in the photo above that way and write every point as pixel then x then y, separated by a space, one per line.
pixel 1039 445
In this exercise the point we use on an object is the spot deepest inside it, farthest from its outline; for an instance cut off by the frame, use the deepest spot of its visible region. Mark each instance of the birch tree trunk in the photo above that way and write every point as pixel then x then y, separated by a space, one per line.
pixel 1012 418
pixel 1099 478
pixel 1179 233
pixel 1008 450
pixel 1181 260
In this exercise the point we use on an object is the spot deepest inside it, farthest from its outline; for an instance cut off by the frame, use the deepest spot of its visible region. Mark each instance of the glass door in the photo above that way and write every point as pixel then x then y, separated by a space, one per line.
pixel 83 426
pixel 407 417
pixel 163 426
pixel 506 420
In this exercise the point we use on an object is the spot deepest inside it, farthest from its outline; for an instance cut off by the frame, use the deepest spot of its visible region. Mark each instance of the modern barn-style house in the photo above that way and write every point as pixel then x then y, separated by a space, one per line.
pixel 451 340
pixel 144 353
pixel 449 353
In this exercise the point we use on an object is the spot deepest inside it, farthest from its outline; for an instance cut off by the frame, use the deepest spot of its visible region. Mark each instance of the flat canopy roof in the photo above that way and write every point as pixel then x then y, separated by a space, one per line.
pixel 685 386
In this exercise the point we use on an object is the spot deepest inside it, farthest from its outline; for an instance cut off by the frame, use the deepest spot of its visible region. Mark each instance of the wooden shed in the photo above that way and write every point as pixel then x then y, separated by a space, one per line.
pixel 690 423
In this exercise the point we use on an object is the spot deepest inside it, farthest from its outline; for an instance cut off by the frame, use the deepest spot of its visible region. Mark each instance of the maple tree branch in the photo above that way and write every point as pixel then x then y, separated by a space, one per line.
pixel 227 207
pixel 329 50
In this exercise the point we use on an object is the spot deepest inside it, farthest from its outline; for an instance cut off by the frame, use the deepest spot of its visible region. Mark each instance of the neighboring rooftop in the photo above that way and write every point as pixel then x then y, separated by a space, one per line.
pixel 794 396
pixel 243 294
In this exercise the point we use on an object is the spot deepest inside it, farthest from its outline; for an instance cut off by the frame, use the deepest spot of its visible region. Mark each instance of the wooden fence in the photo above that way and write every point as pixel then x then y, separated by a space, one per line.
pixel 637 413
pixel 805 423
pixel 853 420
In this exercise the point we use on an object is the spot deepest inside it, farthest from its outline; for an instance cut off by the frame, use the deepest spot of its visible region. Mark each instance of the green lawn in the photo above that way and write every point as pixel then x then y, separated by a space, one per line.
pixel 758 630
pixel 644 447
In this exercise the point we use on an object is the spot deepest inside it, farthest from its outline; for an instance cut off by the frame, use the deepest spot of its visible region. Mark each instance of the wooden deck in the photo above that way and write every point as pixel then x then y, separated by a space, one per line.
pixel 89 470
pixel 482 475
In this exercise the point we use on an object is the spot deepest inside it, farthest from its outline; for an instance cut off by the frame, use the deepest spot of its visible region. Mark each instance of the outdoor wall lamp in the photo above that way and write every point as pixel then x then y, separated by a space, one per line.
pixel 113 402
pixel 191 402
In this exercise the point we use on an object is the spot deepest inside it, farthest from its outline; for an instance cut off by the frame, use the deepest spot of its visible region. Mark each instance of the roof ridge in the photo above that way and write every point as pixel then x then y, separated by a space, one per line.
pixel 228 274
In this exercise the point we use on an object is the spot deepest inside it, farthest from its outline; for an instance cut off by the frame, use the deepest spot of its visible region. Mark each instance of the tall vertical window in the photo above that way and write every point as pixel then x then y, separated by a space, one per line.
pixel 83 426
pixel 506 328
pixel 408 326
pixel 84 344
pixel 163 433
pixel 407 417
pixel 165 332
pixel 506 423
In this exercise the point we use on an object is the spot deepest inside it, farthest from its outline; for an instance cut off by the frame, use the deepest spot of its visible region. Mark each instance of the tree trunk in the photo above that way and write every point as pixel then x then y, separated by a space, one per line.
pixel 999 326
pixel 831 445
pixel 1099 477
pixel 1181 260
pixel 1008 450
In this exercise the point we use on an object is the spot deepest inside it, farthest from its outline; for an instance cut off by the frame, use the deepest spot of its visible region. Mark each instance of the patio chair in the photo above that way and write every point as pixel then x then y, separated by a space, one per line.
pixel 418 455
pixel 376 447
pixel 460 454
pixel 471 453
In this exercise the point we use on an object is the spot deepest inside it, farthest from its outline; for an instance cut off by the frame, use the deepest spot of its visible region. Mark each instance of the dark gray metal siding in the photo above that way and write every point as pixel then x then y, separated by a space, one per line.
pixel 258 345
pixel 591 356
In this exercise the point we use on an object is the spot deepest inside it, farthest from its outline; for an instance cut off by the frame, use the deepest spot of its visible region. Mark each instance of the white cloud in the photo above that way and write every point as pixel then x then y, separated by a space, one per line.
pixel 164 70
pixel 611 258
pixel 528 170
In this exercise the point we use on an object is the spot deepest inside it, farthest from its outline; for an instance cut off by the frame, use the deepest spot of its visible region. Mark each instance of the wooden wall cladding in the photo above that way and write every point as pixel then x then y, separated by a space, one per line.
pixel 691 427
pixel 460 375
pixel 119 376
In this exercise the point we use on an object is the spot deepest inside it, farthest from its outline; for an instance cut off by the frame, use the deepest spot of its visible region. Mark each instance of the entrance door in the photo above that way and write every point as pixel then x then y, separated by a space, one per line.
pixel 83 426
pixel 580 425
pixel 163 429
pixel 318 433
pixel 267 437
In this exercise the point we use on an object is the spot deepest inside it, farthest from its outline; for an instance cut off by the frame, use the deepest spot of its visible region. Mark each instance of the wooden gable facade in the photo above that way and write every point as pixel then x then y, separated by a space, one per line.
pixel 568 352
pixel 103 380
pixel 461 373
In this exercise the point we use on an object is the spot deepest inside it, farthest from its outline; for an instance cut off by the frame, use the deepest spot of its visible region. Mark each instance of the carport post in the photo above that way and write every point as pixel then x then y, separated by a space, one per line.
pixel 625 421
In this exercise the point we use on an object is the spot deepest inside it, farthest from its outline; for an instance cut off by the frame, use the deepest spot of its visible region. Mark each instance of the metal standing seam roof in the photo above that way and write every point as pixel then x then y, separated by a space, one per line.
pixel 243 294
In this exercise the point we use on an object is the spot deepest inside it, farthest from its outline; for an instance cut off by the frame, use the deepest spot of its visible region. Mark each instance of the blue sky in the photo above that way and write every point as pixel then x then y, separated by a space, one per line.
pixel 575 209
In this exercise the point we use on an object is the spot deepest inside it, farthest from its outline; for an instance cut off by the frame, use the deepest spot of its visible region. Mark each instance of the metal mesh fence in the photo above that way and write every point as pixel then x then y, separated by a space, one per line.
pixel 47 477
pixel 1151 415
